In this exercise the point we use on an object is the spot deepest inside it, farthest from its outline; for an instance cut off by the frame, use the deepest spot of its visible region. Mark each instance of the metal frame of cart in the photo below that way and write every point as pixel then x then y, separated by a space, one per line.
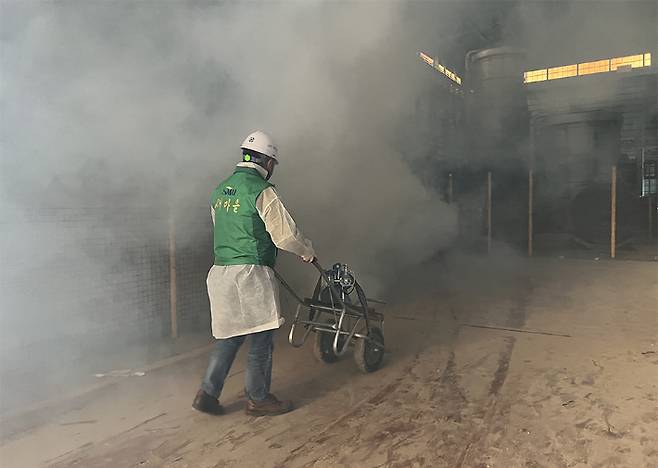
pixel 339 315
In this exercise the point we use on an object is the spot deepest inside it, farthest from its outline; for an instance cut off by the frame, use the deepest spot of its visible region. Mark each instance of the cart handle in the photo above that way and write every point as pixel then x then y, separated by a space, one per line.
pixel 324 276
pixel 287 286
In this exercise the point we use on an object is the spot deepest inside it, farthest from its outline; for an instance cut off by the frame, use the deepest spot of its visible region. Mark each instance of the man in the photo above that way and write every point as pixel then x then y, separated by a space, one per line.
pixel 250 224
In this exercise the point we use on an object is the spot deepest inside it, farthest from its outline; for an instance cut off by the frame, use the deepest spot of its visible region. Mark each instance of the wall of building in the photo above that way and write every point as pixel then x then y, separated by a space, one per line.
pixel 77 283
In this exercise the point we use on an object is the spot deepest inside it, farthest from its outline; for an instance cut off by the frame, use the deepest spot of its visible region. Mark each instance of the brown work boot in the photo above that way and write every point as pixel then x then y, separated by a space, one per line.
pixel 207 404
pixel 270 406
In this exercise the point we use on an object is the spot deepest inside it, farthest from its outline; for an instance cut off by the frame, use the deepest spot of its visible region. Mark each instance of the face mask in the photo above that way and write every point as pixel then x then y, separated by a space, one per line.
pixel 269 173
pixel 249 158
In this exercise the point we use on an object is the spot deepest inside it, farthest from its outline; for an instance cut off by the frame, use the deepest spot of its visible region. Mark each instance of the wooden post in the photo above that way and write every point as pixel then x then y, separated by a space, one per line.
pixel 530 207
pixel 450 188
pixel 650 216
pixel 172 278
pixel 489 211
pixel 613 213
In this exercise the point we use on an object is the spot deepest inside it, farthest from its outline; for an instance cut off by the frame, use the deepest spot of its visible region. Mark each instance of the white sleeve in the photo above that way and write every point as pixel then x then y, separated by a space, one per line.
pixel 212 214
pixel 280 225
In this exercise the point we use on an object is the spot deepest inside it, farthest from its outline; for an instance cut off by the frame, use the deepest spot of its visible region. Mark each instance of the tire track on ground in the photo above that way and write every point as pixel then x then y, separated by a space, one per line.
pixel 356 412
pixel 517 318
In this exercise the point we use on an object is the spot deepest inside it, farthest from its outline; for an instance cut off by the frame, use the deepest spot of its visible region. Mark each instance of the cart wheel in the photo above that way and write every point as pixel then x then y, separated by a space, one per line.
pixel 323 346
pixel 368 355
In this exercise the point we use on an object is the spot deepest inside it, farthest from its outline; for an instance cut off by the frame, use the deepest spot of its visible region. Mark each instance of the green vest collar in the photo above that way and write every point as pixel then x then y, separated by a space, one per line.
pixel 248 170
pixel 261 170
pixel 251 170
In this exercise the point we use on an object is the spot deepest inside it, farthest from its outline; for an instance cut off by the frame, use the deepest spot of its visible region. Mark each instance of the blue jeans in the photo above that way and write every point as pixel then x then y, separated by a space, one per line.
pixel 259 365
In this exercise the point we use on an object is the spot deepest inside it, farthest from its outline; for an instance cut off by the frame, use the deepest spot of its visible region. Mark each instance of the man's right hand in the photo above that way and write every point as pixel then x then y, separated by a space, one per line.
pixel 310 259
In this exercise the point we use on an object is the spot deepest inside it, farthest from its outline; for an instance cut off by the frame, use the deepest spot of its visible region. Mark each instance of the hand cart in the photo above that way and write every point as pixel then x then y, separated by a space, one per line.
pixel 339 315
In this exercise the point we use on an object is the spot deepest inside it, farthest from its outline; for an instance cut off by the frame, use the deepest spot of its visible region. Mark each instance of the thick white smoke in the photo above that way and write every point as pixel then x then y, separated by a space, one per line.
pixel 110 110
pixel 152 100
pixel 118 115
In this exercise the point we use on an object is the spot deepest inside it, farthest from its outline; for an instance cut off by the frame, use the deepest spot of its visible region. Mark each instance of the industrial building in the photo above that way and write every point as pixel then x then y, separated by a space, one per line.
pixel 569 125
pixel 477 178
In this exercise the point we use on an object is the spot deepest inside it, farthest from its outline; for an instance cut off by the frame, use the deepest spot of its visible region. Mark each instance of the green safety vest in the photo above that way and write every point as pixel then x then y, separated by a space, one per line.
pixel 240 237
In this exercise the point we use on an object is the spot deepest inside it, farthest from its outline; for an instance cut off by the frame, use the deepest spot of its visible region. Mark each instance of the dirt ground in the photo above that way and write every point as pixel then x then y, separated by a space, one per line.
pixel 578 388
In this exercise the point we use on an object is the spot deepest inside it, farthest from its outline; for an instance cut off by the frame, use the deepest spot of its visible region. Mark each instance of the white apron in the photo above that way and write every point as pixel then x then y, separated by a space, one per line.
pixel 243 299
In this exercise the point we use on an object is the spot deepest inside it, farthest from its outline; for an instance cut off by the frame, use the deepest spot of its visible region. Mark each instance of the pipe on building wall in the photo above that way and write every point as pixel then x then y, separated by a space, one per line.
pixel 530 207
pixel 489 211
pixel 173 297
pixel 450 188
pixel 613 212
pixel 650 198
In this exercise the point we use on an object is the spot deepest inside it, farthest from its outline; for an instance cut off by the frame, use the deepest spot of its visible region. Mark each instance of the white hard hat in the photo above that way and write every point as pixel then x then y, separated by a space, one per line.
pixel 262 143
